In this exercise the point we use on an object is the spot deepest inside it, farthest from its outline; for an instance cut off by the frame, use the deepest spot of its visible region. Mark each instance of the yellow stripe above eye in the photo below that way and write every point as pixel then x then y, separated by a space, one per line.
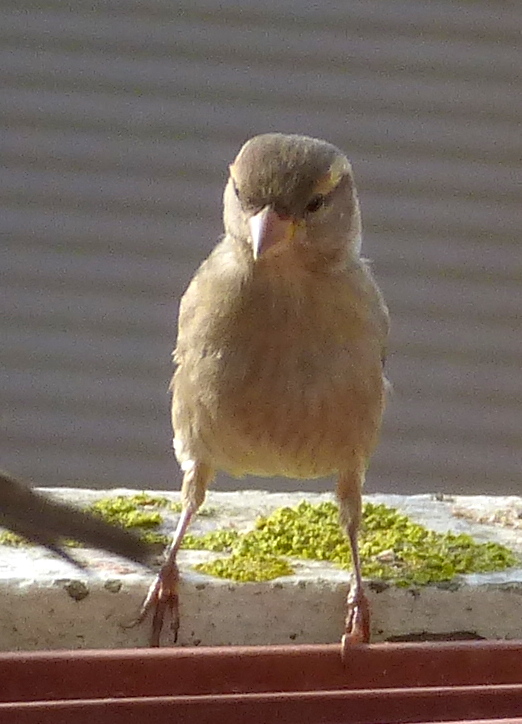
pixel 339 168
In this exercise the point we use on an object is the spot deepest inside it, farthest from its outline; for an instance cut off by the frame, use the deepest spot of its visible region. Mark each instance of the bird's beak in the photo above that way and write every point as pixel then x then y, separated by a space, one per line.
pixel 267 228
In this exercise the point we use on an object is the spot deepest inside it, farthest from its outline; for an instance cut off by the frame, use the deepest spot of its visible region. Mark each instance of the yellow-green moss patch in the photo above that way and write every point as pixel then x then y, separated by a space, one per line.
pixel 139 512
pixel 392 546
pixel 129 512
pixel 244 568
pixel 217 540
pixel 8 538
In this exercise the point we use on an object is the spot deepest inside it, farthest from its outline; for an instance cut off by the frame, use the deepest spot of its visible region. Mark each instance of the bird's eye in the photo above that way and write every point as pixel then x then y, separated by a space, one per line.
pixel 315 203
pixel 236 190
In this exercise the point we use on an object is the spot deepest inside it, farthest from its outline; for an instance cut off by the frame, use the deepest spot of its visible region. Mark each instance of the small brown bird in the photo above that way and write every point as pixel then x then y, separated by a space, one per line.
pixel 46 522
pixel 281 344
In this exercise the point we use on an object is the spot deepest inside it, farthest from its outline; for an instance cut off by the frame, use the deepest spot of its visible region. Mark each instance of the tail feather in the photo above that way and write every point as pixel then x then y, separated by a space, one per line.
pixel 47 522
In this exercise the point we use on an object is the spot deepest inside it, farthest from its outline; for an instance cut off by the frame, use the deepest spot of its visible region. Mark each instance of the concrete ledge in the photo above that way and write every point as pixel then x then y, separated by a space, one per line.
pixel 47 604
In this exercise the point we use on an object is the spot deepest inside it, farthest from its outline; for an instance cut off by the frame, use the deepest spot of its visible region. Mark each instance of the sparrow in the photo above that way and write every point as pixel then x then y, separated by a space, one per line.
pixel 46 522
pixel 280 350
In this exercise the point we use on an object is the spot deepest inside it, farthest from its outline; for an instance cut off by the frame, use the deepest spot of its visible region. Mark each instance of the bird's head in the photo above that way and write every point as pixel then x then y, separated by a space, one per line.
pixel 293 194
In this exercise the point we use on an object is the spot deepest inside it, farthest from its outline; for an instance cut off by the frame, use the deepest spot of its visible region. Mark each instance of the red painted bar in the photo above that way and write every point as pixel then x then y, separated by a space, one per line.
pixel 386 683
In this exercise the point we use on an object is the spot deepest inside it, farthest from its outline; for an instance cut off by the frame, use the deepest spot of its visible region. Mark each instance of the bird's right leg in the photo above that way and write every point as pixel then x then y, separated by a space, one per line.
pixel 162 597
pixel 357 625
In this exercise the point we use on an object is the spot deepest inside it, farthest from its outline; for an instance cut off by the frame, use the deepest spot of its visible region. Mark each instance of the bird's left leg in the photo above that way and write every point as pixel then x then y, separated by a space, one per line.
pixel 162 597
pixel 357 626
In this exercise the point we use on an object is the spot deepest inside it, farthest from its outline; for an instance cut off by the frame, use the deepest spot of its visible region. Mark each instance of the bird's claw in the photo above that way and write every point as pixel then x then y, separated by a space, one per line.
pixel 162 598
pixel 357 626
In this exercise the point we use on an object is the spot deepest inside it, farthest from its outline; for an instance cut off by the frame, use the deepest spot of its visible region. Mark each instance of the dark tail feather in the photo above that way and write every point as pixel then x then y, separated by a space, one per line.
pixel 47 522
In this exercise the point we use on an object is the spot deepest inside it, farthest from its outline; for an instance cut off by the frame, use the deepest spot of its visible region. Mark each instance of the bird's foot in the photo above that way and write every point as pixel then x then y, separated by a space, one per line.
pixel 357 626
pixel 162 599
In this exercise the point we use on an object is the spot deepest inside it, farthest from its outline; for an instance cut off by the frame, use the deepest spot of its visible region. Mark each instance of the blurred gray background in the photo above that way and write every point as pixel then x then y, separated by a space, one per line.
pixel 117 123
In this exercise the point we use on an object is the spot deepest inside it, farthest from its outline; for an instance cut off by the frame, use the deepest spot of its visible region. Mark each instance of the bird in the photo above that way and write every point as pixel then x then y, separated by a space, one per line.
pixel 46 522
pixel 280 351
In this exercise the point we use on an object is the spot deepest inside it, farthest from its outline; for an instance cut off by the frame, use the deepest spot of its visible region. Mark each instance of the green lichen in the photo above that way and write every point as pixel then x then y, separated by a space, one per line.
pixel 216 540
pixel 392 547
pixel 13 540
pixel 139 512
pixel 8 538
pixel 128 512
pixel 244 569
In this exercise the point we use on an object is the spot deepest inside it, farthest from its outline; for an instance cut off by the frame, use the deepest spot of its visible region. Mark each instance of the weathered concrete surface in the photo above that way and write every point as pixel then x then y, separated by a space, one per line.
pixel 47 604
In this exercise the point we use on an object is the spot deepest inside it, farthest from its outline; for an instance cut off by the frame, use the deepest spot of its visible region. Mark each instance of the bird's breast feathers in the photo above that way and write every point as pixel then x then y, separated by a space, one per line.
pixel 283 376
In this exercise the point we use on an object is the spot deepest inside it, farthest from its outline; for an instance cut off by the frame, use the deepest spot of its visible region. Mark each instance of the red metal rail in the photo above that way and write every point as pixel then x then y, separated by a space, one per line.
pixel 421 682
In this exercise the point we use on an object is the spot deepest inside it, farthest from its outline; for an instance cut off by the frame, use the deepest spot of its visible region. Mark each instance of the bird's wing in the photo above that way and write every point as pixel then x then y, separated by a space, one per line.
pixel 208 297
pixel 379 308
